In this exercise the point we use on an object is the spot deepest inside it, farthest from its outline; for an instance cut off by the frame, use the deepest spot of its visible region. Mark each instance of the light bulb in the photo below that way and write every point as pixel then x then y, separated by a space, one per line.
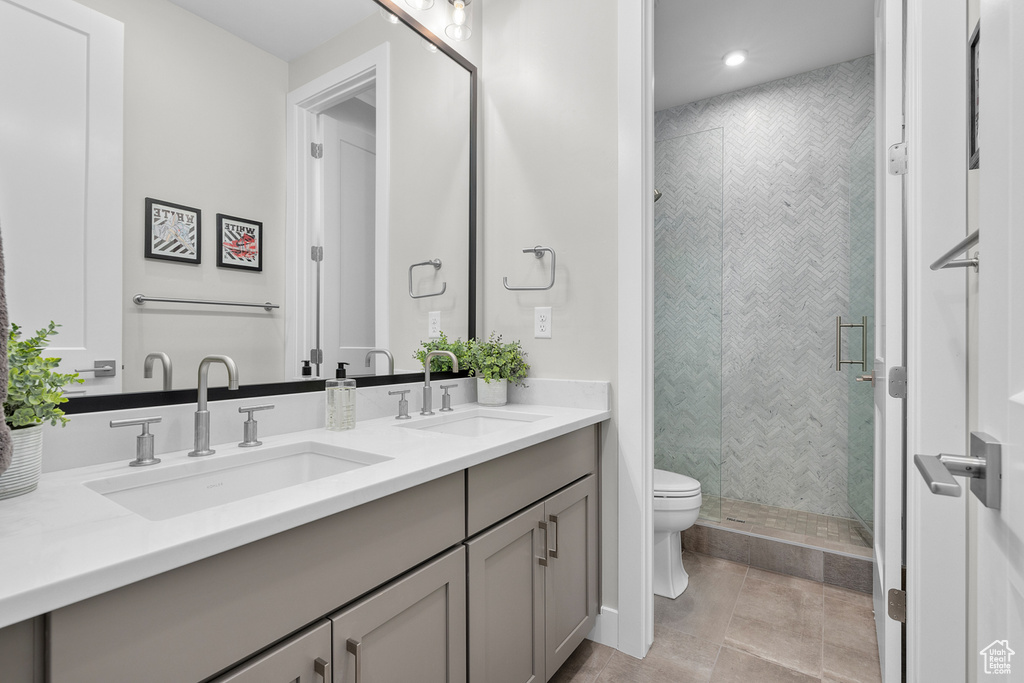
pixel 459 13
pixel 735 58
pixel 388 16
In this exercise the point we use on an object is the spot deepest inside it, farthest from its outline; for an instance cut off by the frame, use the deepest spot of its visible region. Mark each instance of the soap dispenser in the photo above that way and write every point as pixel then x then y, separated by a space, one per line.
pixel 341 401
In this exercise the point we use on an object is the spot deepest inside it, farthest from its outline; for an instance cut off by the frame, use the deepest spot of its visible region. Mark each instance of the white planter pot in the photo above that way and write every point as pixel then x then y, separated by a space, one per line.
pixel 493 393
pixel 26 465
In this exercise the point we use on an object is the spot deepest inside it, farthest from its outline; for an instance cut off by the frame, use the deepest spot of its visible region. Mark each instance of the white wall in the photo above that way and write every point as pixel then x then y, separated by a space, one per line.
pixel 549 177
pixel 204 126
pixel 429 184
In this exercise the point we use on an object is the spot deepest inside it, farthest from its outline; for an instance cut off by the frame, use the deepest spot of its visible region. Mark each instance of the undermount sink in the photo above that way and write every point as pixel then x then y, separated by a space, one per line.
pixel 473 422
pixel 174 490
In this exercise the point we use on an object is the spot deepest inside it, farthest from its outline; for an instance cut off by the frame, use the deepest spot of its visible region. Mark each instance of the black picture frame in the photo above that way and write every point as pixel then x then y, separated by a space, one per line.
pixel 239 243
pixel 974 74
pixel 174 232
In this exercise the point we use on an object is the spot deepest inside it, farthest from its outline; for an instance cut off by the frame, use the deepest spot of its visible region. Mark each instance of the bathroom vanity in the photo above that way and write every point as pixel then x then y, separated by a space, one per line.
pixel 448 558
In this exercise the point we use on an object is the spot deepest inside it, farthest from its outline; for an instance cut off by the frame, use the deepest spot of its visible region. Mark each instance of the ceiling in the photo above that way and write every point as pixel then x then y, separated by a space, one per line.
pixel 783 38
pixel 284 28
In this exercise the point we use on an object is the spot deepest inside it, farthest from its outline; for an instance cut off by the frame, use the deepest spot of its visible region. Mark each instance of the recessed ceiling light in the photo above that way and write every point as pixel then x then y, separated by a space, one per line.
pixel 735 58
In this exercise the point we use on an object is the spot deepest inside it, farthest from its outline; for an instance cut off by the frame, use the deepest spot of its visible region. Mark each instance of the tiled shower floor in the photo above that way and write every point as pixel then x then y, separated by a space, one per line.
pixel 808 528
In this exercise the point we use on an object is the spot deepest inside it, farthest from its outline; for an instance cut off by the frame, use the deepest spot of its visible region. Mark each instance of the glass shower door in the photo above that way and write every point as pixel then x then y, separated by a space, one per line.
pixel 688 311
pixel 860 424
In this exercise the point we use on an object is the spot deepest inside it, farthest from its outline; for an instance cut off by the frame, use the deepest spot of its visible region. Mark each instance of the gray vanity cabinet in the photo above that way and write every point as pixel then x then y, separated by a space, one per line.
pixel 533 593
pixel 506 601
pixel 411 630
pixel 303 658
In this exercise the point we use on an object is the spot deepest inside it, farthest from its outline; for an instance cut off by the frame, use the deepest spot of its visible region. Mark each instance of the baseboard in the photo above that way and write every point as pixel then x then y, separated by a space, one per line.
pixel 606 630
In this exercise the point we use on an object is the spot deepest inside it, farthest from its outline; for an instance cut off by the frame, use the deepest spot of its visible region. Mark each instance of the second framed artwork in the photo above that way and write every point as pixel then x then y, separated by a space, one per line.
pixel 239 243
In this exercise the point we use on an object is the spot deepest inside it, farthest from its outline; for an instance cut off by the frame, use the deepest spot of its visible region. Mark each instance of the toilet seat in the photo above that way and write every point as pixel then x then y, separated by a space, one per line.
pixel 674 485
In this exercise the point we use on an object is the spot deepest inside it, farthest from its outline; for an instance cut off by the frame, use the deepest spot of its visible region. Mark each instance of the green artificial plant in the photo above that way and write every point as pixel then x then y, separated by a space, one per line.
pixel 443 363
pixel 34 390
pixel 494 360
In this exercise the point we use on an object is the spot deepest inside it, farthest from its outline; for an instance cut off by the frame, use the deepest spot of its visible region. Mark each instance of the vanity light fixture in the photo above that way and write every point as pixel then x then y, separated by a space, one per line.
pixel 388 16
pixel 735 58
pixel 420 4
pixel 461 27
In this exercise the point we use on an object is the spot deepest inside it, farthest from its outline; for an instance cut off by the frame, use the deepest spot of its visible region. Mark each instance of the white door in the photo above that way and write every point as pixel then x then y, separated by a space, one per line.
pixel 999 534
pixel 61 75
pixel 349 171
pixel 888 539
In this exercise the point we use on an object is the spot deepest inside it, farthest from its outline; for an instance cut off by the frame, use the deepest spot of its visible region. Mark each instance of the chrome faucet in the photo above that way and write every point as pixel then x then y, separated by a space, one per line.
pixel 391 359
pixel 202 414
pixel 427 401
pixel 165 362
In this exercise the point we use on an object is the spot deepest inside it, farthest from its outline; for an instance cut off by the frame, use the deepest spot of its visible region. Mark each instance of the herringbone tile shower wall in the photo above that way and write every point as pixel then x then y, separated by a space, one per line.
pixel 779 266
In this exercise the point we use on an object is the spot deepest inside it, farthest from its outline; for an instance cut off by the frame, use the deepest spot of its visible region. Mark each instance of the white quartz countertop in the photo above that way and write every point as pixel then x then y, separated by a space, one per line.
pixel 65 542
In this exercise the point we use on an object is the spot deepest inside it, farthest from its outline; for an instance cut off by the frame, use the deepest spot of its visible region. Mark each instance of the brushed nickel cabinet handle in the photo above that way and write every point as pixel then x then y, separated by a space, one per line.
pixel 543 561
pixel 553 520
pixel 322 669
pixel 354 646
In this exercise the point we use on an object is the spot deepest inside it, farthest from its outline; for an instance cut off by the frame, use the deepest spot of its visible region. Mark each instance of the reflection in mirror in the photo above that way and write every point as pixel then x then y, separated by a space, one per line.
pixel 206 125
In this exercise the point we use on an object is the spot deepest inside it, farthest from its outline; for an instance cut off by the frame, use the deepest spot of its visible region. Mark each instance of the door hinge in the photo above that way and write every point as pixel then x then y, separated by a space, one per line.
pixel 898 159
pixel 316 150
pixel 316 356
pixel 316 254
pixel 898 382
pixel 898 605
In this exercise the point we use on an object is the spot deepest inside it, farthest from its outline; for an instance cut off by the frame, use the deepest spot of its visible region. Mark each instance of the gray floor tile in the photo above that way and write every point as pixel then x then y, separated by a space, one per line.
pixel 677 659
pixel 734 666
pixel 849 666
pixel 851 626
pixel 704 608
pixel 791 649
pixel 782 605
pixel 585 664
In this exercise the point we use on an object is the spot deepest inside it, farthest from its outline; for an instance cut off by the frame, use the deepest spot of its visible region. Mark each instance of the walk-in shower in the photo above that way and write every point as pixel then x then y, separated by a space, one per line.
pixel 764 236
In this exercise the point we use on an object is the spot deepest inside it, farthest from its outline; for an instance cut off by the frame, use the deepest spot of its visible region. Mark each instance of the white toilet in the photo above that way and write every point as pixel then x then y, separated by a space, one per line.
pixel 676 507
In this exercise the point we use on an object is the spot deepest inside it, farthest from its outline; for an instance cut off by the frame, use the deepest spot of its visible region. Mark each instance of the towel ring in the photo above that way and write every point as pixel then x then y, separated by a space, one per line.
pixel 537 251
pixel 437 266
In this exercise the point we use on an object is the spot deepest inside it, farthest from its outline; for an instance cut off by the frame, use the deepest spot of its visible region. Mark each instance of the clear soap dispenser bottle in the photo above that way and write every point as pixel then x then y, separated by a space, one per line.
pixel 341 401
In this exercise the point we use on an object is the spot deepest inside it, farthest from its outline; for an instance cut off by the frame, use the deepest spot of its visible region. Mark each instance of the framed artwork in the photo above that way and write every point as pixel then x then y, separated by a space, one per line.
pixel 173 232
pixel 972 112
pixel 239 243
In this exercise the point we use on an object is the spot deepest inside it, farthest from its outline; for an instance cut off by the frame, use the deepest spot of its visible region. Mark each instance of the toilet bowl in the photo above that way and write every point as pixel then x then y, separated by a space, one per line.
pixel 677 502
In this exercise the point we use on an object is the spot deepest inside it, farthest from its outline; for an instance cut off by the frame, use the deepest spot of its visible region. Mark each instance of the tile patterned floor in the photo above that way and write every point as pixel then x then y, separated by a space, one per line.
pixel 740 624
pixel 821 531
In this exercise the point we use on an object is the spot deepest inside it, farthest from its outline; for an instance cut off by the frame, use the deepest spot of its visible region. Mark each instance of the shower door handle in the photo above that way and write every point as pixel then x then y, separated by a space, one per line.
pixel 863 325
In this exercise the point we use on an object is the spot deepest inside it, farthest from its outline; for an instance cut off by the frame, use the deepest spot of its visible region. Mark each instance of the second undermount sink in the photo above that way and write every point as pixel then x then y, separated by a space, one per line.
pixel 165 492
pixel 473 421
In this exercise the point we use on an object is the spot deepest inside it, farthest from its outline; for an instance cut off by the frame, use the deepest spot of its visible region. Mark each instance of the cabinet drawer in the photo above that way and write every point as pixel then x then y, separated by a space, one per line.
pixel 303 658
pixel 192 622
pixel 503 486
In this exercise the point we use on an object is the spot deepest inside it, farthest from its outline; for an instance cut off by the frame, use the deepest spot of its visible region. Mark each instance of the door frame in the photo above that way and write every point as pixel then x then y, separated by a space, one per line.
pixel 936 120
pixel 305 197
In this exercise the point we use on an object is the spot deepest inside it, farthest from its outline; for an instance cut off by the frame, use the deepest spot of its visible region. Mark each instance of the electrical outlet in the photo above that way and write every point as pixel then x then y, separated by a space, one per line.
pixel 434 324
pixel 542 322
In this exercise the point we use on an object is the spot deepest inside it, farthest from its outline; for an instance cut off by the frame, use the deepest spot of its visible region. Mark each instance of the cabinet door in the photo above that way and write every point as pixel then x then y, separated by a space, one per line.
pixel 571 581
pixel 506 601
pixel 411 630
pixel 303 658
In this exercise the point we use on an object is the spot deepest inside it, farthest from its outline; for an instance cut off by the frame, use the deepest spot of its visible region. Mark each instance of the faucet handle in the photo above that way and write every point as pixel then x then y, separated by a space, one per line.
pixel 143 442
pixel 403 404
pixel 252 409
pixel 446 400
pixel 249 438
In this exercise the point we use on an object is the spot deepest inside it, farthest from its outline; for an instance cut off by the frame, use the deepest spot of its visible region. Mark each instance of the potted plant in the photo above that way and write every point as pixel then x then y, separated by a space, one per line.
pixel 495 364
pixel 34 390
pixel 443 363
